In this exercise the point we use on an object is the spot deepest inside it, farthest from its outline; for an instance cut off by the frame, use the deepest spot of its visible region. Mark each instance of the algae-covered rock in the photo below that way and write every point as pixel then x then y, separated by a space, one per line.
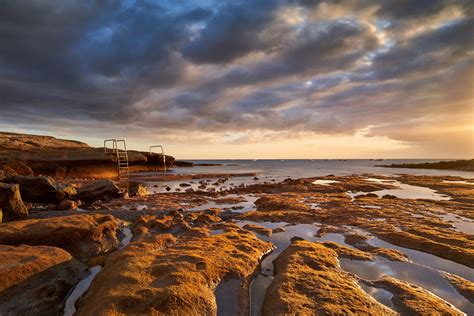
pixel 411 299
pixel 164 274
pixel 36 280
pixel 81 235
pixel 463 286
pixel 308 281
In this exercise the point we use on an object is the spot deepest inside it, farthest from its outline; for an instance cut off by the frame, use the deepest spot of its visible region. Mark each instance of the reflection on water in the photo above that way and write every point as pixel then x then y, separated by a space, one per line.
pixel 281 241
pixel 381 295
pixel 421 271
pixel 324 182
pixel 428 259
pixel 460 223
pixel 128 236
pixel 403 191
pixel 335 237
pixel 81 288
pixel 227 297
pixel 458 182
pixel 424 276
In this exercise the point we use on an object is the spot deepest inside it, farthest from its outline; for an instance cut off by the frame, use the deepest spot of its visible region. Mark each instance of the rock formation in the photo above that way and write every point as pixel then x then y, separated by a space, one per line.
pixel 98 190
pixel 37 189
pixel 36 280
pixel 162 274
pixel 308 281
pixel 11 204
pixel 81 235
pixel 67 158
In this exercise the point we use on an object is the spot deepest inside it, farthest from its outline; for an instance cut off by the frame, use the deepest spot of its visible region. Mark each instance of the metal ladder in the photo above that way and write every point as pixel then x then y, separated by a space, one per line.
pixel 162 152
pixel 121 154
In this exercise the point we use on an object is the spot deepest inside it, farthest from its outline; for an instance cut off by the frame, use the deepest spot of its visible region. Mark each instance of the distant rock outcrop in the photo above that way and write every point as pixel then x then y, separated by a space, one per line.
pixel 461 165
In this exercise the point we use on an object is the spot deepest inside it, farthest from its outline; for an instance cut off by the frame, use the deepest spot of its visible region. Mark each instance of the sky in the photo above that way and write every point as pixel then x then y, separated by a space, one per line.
pixel 244 79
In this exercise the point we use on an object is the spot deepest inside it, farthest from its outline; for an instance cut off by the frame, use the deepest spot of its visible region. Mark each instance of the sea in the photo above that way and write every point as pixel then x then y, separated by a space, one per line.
pixel 301 168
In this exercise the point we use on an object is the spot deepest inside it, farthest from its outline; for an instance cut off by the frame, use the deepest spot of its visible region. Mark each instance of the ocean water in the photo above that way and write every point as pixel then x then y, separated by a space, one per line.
pixel 299 168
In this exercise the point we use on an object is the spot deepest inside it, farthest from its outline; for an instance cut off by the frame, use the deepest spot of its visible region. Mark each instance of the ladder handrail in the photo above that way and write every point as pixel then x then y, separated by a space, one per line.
pixel 117 151
pixel 162 152
pixel 114 145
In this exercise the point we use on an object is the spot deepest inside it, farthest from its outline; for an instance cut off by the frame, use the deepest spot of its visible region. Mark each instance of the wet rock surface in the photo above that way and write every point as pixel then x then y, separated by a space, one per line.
pixel 308 280
pixel 98 190
pixel 37 189
pixel 82 235
pixel 36 280
pixel 165 274
pixel 192 249
pixel 463 286
pixel 11 204
pixel 414 300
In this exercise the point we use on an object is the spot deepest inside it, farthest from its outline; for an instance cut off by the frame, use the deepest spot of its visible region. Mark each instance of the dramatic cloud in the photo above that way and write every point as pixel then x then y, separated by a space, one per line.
pixel 397 73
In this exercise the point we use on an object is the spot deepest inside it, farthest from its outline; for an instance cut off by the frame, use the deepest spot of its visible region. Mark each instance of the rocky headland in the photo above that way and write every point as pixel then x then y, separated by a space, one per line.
pixel 461 165
pixel 32 154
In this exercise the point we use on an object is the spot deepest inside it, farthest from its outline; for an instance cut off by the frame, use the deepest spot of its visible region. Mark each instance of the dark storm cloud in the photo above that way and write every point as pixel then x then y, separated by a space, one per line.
pixel 407 9
pixel 73 58
pixel 422 53
pixel 222 66
pixel 231 33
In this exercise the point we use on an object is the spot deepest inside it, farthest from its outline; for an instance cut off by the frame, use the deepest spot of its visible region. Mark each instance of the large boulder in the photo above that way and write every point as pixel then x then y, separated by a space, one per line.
pixel 82 235
pixel 36 280
pixel 98 190
pixel 37 189
pixel 11 203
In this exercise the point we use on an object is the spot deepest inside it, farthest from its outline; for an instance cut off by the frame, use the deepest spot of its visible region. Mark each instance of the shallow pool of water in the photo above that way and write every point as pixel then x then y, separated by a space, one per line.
pixel 403 191
pixel 381 295
pixel 128 236
pixel 458 182
pixel 240 207
pixel 324 182
pixel 79 290
pixel 424 276
pixel 427 259
pixel 281 241
pixel 227 297
pixel 460 223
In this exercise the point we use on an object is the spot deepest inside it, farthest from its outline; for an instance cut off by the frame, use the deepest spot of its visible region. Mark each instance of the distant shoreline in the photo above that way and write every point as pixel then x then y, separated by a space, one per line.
pixel 460 165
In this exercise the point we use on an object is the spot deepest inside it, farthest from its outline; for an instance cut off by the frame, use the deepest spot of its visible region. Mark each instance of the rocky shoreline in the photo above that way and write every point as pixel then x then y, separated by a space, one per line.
pixel 67 159
pixel 212 244
pixel 460 165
